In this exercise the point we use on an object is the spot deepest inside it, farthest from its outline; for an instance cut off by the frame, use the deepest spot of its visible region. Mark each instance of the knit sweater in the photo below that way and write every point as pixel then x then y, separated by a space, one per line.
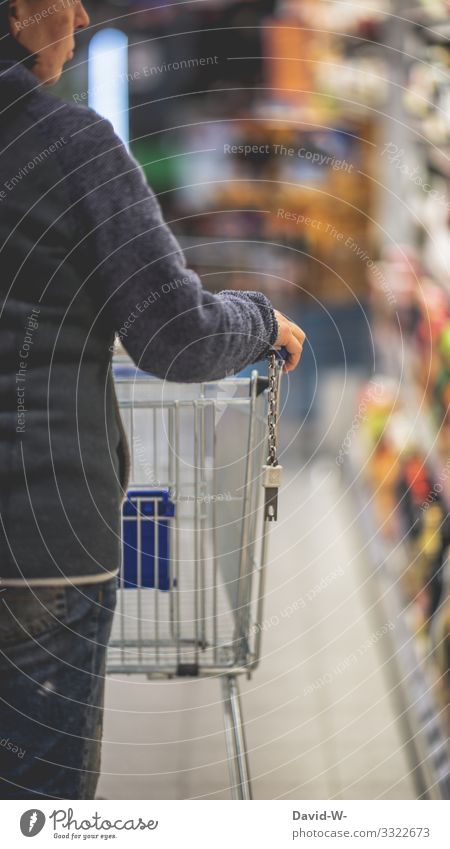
pixel 85 254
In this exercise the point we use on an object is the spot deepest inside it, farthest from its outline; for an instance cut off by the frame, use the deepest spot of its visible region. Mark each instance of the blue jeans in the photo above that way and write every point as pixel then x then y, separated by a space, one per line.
pixel 52 678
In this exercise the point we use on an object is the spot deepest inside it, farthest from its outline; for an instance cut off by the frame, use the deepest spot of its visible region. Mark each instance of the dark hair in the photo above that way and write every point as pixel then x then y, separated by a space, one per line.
pixel 10 48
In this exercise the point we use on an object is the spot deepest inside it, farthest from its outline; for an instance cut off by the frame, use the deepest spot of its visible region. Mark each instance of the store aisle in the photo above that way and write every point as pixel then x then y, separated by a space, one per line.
pixel 319 720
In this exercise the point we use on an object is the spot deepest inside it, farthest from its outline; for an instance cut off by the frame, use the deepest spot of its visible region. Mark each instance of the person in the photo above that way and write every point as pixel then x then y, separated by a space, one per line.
pixel 84 255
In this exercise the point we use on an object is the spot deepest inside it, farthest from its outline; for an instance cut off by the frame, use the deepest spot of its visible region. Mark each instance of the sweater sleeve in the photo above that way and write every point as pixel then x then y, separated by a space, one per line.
pixel 168 323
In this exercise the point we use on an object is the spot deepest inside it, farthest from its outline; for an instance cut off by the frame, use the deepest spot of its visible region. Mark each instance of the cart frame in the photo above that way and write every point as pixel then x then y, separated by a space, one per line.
pixel 221 634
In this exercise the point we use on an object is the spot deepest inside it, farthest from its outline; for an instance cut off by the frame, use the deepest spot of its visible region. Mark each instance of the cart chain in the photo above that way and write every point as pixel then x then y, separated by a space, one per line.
pixel 273 374
pixel 272 470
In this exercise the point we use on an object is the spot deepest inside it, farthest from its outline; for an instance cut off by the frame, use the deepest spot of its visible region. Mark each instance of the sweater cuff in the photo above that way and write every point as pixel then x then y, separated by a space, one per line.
pixel 267 313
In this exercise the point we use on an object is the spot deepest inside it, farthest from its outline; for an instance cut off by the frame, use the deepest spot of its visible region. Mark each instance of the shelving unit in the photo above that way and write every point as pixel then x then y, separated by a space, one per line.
pixel 413 45
pixel 411 677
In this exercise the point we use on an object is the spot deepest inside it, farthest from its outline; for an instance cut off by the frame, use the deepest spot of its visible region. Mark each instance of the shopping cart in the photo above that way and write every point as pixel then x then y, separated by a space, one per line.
pixel 194 536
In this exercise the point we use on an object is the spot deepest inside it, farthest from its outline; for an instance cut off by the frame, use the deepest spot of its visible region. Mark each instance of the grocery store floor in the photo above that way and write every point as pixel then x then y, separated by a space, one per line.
pixel 320 722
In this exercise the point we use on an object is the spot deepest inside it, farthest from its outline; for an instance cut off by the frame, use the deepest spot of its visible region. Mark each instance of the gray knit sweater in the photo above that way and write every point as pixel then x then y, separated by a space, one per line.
pixel 85 255
pixel 169 324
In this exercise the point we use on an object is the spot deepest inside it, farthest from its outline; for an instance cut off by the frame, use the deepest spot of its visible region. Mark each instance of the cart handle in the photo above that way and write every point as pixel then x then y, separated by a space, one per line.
pixel 282 353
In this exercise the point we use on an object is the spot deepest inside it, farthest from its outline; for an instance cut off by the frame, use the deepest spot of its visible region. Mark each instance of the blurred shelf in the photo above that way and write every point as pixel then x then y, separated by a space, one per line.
pixel 437 33
pixel 439 160
pixel 250 254
pixel 441 33
pixel 425 431
pixel 412 679
pixel 423 17
pixel 427 436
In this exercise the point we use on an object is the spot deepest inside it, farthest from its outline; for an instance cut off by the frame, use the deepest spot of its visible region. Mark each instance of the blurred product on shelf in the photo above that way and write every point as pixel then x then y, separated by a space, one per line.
pixel 425 530
pixel 291 49
pixel 434 315
pixel 441 387
pixel 374 410
pixel 440 634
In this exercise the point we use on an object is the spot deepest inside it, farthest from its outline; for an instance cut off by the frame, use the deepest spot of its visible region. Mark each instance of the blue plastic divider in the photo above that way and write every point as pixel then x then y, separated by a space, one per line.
pixel 153 509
